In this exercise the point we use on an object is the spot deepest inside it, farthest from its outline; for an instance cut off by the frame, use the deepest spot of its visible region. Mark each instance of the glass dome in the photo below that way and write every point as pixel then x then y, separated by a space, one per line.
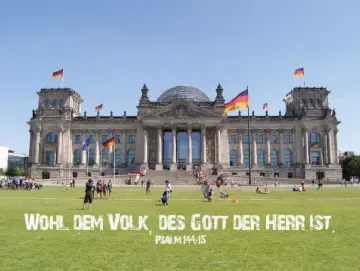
pixel 183 93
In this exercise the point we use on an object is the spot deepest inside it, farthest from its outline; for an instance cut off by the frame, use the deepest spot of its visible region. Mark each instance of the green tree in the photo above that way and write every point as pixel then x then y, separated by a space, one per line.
pixel 2 171
pixel 351 166
pixel 10 172
pixel 20 172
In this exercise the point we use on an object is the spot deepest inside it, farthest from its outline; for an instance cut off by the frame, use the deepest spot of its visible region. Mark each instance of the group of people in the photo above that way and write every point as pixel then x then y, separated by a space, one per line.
pixel 103 189
pixel 351 181
pixel 19 183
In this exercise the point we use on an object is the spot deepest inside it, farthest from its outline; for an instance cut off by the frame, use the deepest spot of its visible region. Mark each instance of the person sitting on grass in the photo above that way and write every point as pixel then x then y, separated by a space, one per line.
pixel 223 195
pixel 164 198
pixel 258 191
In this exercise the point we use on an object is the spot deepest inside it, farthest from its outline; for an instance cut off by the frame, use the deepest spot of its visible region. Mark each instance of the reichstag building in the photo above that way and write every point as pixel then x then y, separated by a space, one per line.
pixel 184 128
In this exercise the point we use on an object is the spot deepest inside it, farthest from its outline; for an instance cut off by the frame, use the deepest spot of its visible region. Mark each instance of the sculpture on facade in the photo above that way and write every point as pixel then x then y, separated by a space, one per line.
pixel 33 114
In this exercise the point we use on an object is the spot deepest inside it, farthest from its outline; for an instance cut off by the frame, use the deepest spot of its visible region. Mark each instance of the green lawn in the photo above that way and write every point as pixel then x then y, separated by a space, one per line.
pixel 224 249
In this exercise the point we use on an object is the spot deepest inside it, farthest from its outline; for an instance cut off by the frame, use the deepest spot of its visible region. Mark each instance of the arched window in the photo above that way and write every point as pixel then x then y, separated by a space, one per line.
pixel 314 137
pixel 274 158
pixel 233 158
pixel 91 159
pixel 77 157
pixel 118 157
pixel 287 158
pixel 260 158
pixel 131 157
pixel 51 138
pixel 246 158
pixel 105 156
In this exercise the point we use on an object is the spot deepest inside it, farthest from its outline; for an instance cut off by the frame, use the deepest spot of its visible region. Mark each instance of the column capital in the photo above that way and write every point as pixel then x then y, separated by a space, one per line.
pixel 189 129
pixel 203 128
pixel 37 128
pixel 160 131
pixel 61 129
pixel 173 127
pixel 304 129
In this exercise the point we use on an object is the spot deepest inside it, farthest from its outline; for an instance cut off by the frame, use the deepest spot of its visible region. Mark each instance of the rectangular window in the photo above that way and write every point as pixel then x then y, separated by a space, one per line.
pixel 246 139
pixel 260 139
pixel 117 139
pixel 77 139
pixel 287 139
pixel 274 139
pixel 131 139
pixel 91 139
pixel 315 158
pixel 233 139
pixel 104 138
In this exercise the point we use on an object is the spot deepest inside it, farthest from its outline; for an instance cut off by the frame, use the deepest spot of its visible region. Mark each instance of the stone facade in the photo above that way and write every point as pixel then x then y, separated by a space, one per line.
pixel 302 143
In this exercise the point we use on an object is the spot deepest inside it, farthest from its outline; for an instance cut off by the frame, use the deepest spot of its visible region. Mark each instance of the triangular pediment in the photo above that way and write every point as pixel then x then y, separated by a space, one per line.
pixel 181 109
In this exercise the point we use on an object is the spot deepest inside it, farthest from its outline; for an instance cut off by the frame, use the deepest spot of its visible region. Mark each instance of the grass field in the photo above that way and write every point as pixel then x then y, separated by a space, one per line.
pixel 224 249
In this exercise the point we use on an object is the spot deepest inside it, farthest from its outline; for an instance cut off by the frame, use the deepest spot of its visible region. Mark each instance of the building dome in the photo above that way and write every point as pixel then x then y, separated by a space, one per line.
pixel 183 93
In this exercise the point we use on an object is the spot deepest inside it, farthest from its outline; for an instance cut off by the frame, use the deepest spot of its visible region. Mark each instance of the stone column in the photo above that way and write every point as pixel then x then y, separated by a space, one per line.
pixel 329 146
pixel 146 137
pixel 326 151
pixel 189 165
pixel 30 159
pixel 254 149
pixel 218 139
pixel 241 151
pixel 83 153
pixel 159 164
pixel 59 146
pixel 173 165
pixel 336 147
pixel 203 145
pixel 97 148
pixel 268 149
pixel 37 144
pixel 306 146
pixel 281 148
pixel 321 158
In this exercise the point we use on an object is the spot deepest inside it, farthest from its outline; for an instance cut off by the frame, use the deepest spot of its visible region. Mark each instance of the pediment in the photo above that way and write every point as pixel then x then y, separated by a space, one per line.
pixel 181 110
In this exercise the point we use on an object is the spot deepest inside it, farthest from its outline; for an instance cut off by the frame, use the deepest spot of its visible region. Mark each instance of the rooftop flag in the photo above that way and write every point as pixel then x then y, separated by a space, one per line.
pixel 58 74
pixel 240 101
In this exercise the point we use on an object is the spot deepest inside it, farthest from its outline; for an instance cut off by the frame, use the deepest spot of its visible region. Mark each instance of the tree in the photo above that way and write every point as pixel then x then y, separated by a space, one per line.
pixel 20 172
pixel 10 172
pixel 2 171
pixel 351 166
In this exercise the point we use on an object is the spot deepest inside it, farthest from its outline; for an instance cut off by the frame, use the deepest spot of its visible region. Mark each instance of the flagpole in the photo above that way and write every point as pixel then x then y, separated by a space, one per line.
pixel 249 142
pixel 87 162
pixel 114 150
pixel 100 162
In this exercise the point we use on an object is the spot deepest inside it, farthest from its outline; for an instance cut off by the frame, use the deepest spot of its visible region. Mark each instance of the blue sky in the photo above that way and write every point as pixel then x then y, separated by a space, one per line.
pixel 108 49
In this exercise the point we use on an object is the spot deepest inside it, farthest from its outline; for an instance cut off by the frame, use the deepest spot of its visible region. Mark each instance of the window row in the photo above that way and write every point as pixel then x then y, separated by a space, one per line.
pixel 260 139
pixel 105 157
pixel 54 102
pixel 274 158
pixel 104 138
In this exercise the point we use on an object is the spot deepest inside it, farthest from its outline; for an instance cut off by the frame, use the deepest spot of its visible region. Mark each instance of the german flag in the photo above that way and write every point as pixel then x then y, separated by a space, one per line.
pixel 265 107
pixel 99 108
pixel 58 74
pixel 240 101
pixel 299 72
pixel 109 143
